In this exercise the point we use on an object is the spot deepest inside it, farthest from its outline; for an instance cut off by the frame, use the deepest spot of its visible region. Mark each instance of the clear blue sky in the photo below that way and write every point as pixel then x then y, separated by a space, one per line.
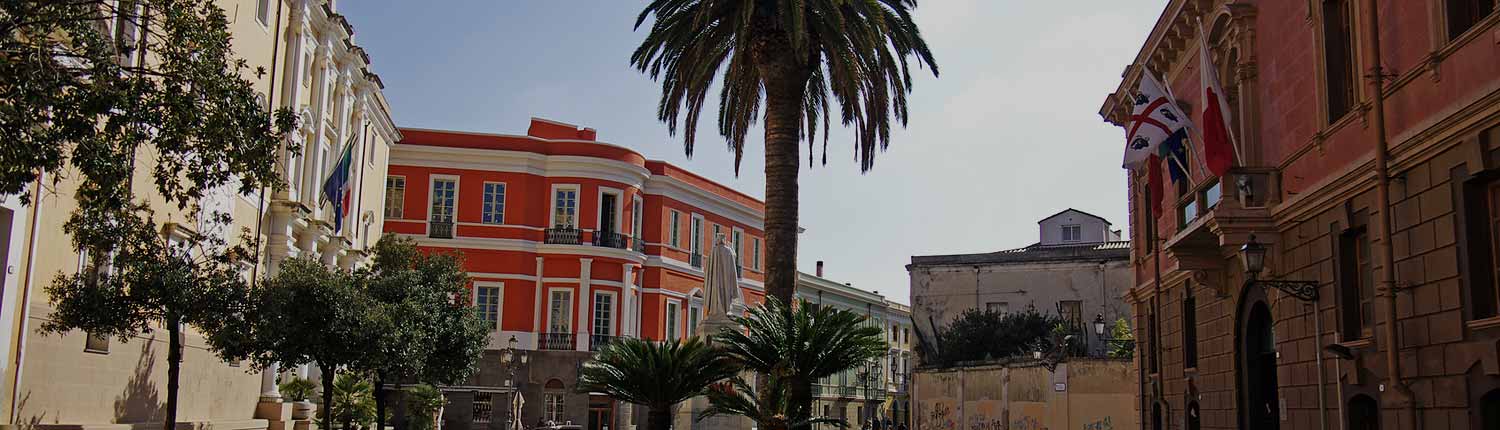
pixel 1007 135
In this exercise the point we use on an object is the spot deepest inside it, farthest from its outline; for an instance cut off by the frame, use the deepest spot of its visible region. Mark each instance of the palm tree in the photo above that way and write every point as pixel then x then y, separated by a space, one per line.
pixel 770 408
pixel 796 345
pixel 801 54
pixel 657 375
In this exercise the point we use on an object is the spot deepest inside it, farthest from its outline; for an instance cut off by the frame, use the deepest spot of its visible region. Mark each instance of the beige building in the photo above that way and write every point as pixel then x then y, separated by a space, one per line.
pixel 315 68
pixel 876 391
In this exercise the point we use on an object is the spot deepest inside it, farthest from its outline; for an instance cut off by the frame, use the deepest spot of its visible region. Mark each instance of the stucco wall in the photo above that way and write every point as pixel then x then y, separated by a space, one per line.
pixel 1086 395
pixel 1091 228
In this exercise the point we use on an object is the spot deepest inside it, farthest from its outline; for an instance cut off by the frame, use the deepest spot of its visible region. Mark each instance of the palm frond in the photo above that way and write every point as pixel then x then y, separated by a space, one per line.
pixel 655 374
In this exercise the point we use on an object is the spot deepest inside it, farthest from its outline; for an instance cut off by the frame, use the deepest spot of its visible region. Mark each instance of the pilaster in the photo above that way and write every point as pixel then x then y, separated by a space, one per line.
pixel 585 296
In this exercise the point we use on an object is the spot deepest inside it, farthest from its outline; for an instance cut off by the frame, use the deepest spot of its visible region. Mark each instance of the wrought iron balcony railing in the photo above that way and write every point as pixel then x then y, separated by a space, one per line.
pixel 611 240
pixel 564 236
pixel 638 245
pixel 599 340
pixel 440 229
pixel 557 342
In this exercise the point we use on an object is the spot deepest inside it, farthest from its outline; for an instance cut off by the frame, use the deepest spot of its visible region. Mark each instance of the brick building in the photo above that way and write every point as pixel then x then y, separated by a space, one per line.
pixel 1219 353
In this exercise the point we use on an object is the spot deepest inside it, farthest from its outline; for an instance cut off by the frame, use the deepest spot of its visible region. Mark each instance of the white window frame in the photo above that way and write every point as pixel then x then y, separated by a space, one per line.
pixel 552 204
pixel 263 12
pixel 614 312
pixel 499 288
pixel 637 216
pixel 401 206
pixel 554 404
pixel 695 312
pixel 1078 230
pixel 485 193
pixel 489 408
pixel 567 309
pixel 675 235
pixel 737 240
pixel 599 210
pixel 695 235
pixel 457 191
pixel 755 253
pixel 672 320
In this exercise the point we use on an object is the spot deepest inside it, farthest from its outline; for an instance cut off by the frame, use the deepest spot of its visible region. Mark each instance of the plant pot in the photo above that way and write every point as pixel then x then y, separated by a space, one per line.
pixel 303 410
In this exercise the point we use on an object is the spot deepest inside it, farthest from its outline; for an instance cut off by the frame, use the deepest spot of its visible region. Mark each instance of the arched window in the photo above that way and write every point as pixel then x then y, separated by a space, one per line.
pixel 1489 410
pixel 552 397
pixel 1364 413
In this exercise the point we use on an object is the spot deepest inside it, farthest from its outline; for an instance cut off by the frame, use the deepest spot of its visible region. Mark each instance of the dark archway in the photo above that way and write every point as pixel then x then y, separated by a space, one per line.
pixel 1364 413
pixel 1194 420
pixel 1157 416
pixel 1489 409
pixel 1255 359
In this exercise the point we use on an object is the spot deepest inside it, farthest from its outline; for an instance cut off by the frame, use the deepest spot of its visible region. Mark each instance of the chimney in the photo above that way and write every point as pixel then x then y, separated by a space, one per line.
pixel 820 268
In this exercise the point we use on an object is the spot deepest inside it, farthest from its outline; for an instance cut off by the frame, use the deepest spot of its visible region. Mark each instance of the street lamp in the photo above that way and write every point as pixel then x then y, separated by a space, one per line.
pixel 1109 340
pixel 1253 255
pixel 511 359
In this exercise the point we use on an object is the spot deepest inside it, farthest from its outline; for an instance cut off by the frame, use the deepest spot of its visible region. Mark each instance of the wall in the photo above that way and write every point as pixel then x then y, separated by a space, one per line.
pixel 1091 228
pixel 1094 395
pixel 945 292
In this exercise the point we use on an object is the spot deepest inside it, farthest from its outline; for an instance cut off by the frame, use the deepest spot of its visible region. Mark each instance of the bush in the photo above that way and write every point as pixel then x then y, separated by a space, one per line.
pixel 983 335
pixel 298 389
pixel 424 402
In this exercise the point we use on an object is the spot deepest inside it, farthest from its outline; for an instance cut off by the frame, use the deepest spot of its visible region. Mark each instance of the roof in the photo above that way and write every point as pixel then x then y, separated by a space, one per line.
pixel 1096 251
pixel 1073 210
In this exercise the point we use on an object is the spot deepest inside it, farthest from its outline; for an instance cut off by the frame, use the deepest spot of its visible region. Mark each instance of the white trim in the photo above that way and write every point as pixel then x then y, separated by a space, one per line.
pixel 484 192
pixel 531 163
pixel 432 180
pixel 695 244
pixel 704 200
pixel 663 292
pixel 504 276
pixel 685 268
pixel 637 216
pixel 739 247
pixel 384 193
pixel 499 305
pixel 577 204
pixel 547 323
pixel 528 246
pixel 674 222
pixel 480 224
pixel 755 243
pixel 614 311
pixel 676 333
pixel 599 210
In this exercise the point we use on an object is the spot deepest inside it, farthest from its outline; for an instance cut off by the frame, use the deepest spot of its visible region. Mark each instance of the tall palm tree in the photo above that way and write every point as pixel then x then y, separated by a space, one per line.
pixel 657 375
pixel 799 55
pixel 796 345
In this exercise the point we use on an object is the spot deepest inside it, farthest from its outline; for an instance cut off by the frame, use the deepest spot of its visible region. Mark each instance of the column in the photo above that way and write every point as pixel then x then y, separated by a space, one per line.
pixel 311 161
pixel 541 301
pixel 585 296
pixel 269 392
pixel 291 90
pixel 627 301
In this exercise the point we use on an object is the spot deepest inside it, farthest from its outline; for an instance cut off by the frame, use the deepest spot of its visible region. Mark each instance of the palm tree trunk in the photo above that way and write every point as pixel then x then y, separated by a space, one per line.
pixel 785 82
pixel 799 397
pixel 659 418
pixel 174 369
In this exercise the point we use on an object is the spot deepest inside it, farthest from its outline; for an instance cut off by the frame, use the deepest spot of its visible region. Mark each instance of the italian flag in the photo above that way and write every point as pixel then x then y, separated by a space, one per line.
pixel 1219 149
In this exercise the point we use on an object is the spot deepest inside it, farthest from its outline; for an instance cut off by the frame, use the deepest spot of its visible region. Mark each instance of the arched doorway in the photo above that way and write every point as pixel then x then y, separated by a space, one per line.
pixel 1489 409
pixel 1259 404
pixel 1364 413
pixel 1194 422
pixel 1157 417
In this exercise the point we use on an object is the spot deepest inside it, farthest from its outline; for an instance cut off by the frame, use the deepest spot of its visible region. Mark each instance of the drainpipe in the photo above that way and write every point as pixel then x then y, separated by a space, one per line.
pixel 1383 197
pixel 1322 389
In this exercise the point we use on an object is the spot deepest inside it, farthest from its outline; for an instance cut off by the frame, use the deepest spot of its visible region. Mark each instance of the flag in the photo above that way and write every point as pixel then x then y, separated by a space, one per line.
pixel 1218 143
pixel 337 188
pixel 1154 186
pixel 1155 120
pixel 1174 151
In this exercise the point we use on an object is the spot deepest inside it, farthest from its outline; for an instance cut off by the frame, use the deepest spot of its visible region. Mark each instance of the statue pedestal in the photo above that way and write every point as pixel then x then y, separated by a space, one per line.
pixel 713 324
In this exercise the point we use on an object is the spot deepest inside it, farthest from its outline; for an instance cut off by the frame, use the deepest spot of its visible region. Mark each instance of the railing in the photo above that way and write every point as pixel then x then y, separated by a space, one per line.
pixel 599 340
pixel 557 342
pixel 638 245
pixel 564 236
pixel 611 240
pixel 440 229
pixel 696 260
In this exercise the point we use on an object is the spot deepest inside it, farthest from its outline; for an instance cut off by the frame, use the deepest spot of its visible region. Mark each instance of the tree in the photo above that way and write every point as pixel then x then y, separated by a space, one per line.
pixel 308 313
pixel 353 401
pixel 799 55
pixel 796 345
pixel 147 280
pixel 771 408
pixel 657 375
pixel 435 337
pixel 423 402
pixel 984 334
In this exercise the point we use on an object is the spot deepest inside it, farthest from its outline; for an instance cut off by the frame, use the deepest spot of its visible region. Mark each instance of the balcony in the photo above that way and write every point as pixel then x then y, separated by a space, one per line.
pixel 611 240
pixel 638 245
pixel 599 340
pixel 696 260
pixel 564 236
pixel 440 229
pixel 556 342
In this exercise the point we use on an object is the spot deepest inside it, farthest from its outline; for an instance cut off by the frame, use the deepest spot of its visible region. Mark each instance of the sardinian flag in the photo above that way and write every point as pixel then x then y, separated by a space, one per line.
pixel 1155 120
pixel 338 187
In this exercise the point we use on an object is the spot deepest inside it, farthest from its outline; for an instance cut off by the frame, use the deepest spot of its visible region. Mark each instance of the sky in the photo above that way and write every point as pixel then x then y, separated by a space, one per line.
pixel 1009 132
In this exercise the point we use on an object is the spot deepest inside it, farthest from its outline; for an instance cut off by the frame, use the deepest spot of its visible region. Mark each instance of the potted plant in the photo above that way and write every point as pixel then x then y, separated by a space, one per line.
pixel 298 391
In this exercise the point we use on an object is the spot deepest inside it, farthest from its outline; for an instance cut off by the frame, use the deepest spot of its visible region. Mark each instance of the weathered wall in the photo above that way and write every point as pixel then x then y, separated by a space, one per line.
pixel 1085 395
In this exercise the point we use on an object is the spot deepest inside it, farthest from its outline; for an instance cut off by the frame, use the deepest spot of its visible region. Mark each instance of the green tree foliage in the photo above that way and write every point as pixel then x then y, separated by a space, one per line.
pixel 435 337
pixel 422 405
pixel 1123 345
pixel 353 401
pixel 298 389
pixel 983 334
pixel 796 345
pixel 770 408
pixel 656 375
pixel 149 282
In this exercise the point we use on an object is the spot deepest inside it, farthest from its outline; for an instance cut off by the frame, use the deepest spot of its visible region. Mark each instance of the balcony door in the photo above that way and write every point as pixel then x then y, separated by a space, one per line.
pixel 443 194
pixel 608 211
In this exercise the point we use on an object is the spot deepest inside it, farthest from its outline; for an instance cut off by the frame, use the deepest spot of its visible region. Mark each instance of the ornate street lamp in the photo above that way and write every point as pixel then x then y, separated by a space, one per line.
pixel 1253 255
pixel 1109 340
pixel 511 359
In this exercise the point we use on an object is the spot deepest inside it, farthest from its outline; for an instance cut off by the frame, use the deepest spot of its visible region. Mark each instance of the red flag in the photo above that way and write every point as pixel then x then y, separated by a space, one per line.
pixel 1218 144
pixel 1154 185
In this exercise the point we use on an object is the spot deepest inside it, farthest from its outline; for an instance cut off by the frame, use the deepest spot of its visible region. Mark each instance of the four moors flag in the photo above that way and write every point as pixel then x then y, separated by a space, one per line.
pixel 1157 127
pixel 338 188
pixel 1218 144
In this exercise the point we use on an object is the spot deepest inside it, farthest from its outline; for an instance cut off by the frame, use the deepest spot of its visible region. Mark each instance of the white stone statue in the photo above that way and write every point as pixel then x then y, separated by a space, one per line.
pixel 721 281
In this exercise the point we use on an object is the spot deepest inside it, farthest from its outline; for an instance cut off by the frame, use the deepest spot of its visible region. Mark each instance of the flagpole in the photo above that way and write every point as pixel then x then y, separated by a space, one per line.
pixel 1188 124
pixel 1207 55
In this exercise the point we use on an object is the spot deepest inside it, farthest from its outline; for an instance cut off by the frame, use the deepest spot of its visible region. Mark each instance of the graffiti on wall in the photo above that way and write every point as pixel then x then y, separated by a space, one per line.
pixel 938 416
pixel 1027 423
pixel 1099 424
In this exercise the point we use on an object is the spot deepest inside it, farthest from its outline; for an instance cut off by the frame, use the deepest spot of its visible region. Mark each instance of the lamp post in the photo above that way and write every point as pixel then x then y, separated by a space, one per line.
pixel 1253 255
pixel 1107 338
pixel 511 359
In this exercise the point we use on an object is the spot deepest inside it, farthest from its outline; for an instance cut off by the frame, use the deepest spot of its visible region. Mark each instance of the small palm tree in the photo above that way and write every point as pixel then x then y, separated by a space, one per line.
pixel 657 375
pixel 800 55
pixel 770 408
pixel 796 345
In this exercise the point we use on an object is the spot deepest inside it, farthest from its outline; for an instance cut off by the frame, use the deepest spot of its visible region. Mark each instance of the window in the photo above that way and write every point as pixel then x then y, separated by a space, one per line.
pixel 604 310
pixel 484 404
pixel 1356 284
pixel 395 197
pixel 494 203
pixel 487 303
pixel 553 400
pixel 1187 213
pixel 1071 312
pixel 998 307
pixel 672 315
pixel 127 24
pixel 1338 57
pixel 694 310
pixel 96 343
pixel 755 253
pixel 675 234
pixel 695 236
pixel 560 313
pixel 739 247
pixel 1189 327
pixel 1463 14
pixel 263 11
pixel 443 193
pixel 565 208
pixel 635 218
pixel 1072 233
pixel 1212 195
pixel 714 240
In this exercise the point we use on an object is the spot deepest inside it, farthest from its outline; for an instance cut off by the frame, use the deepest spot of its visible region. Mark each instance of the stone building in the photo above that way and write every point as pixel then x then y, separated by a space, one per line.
pixel 876 391
pixel 1368 162
pixel 314 68
pixel 1079 269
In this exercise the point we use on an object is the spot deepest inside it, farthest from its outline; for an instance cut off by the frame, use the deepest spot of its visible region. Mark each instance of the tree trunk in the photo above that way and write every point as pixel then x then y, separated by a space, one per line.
pixel 174 369
pixel 328 373
pixel 659 418
pixel 799 397
pixel 379 401
pixel 785 82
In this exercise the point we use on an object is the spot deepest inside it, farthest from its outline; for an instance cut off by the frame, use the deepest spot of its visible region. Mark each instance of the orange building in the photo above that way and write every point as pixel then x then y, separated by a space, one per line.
pixel 570 242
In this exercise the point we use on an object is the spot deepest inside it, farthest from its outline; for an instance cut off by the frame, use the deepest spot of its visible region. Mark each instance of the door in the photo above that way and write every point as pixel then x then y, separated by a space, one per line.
pixel 1258 358
pixel 601 413
pixel 607 212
